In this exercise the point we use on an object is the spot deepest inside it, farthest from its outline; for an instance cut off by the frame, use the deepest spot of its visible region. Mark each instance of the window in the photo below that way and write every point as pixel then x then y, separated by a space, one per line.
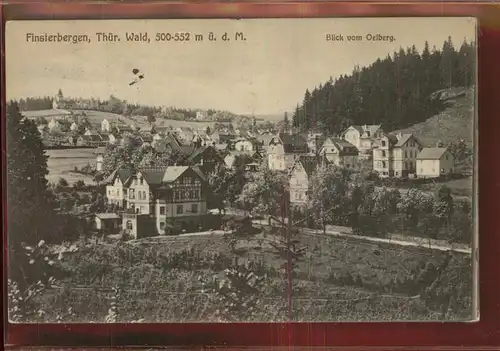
pixel 162 225
pixel 406 154
pixel 194 208
pixel 144 197
pixel 179 209
pixel 138 210
pixel 141 181
pixel 383 164
pixel 162 210
pixel 129 225
pixel 132 194
pixel 187 180
pixel 383 153
pixel 383 142
pixel 446 157
pixel 109 192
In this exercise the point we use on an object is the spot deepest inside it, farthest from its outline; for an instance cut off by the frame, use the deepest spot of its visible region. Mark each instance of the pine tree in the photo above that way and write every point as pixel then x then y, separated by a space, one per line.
pixel 29 201
pixel 286 123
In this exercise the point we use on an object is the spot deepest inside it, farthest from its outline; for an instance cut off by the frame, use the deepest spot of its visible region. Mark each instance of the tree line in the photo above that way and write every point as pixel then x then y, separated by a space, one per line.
pixel 396 91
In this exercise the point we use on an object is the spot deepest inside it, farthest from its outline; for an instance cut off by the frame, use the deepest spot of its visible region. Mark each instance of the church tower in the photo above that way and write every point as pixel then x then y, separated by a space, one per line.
pixel 57 99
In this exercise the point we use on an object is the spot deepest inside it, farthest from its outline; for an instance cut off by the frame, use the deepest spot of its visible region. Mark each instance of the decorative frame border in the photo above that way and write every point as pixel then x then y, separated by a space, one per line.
pixel 482 334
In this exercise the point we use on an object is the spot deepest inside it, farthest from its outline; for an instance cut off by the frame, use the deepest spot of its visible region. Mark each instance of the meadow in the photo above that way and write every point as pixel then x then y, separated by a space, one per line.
pixel 160 280
pixel 61 164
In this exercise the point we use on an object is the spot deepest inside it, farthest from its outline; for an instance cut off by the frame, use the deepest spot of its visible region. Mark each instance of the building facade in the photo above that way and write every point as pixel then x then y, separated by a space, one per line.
pixel 300 179
pixel 435 162
pixel 340 152
pixel 363 138
pixel 395 155
pixel 284 149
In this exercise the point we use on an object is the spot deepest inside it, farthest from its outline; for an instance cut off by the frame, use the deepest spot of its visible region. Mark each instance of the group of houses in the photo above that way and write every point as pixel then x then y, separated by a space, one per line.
pixel 153 200
pixel 156 201
pixel 389 155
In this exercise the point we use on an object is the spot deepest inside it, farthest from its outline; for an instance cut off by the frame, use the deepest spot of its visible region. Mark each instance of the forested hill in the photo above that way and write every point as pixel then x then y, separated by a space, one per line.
pixel 396 92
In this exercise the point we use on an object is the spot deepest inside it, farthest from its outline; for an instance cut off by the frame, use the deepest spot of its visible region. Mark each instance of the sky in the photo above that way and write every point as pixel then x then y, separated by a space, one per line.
pixel 267 73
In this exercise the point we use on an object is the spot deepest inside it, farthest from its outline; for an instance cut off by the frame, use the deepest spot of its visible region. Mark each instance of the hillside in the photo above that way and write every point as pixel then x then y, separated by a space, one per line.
pixel 456 122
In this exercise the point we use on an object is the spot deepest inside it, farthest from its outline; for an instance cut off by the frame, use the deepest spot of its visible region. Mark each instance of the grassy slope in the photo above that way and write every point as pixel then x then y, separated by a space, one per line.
pixel 454 123
pixel 159 293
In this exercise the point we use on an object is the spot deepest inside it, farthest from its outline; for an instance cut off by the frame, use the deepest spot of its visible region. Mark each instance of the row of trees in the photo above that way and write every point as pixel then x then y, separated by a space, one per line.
pixel 395 91
pixel 338 197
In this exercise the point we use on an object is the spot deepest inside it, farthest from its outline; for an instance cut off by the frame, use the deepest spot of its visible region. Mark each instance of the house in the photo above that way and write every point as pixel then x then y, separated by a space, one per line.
pixel 340 152
pixel 123 128
pixel 92 140
pixel 42 129
pixel 314 141
pixel 363 137
pixel 206 157
pixel 105 125
pixel 166 198
pixel 433 162
pixel 146 139
pixel 222 147
pixel 99 158
pixel 246 144
pixel 73 127
pixel 215 137
pixel 284 149
pixel 395 155
pixel 201 115
pixel 108 222
pixel 300 178
pixel 264 140
pixel 251 157
pixel 185 133
pixel 54 125
pixel 116 193
pixel 112 139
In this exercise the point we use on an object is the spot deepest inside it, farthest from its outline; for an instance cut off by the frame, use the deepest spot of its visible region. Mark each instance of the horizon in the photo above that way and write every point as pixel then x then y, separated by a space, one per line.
pixel 212 75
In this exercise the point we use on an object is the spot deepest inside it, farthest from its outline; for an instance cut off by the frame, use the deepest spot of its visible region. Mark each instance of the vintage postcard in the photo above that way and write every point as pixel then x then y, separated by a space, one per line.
pixel 259 170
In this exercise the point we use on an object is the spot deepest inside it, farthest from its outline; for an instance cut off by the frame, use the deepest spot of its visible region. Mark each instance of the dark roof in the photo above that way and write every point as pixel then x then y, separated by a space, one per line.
pixel 265 139
pixel 146 138
pixel 293 142
pixel 186 150
pixel 92 137
pixel 165 175
pixel 152 177
pixel 345 147
pixel 371 129
pixel 309 162
pixel 431 153
pixel 198 171
pixel 402 139
pixel 122 173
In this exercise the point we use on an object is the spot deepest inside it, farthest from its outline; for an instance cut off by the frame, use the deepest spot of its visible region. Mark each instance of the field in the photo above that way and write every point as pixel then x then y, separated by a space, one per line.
pixel 61 163
pixel 461 188
pixel 337 280
pixel 160 122
pixel 96 117
pixel 456 122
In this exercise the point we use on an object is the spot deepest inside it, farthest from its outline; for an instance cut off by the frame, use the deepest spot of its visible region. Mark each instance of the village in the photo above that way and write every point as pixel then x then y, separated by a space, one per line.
pixel 160 200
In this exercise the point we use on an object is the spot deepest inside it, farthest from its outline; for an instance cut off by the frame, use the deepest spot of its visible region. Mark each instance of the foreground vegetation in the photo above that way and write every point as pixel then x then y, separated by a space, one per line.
pixel 172 279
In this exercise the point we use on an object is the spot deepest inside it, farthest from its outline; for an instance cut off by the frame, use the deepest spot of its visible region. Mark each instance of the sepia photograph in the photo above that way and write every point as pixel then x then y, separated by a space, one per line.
pixel 251 170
